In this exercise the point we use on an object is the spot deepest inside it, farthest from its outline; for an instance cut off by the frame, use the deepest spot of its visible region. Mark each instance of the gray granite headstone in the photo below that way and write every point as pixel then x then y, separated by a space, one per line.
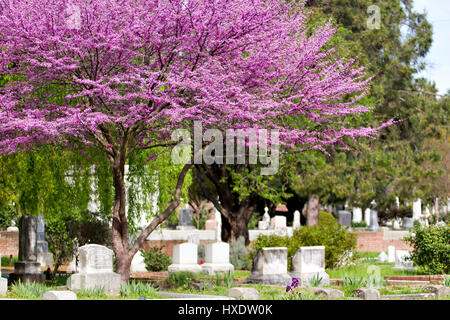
pixel 408 223
pixel 27 268
pixel 373 221
pixel 186 217
pixel 345 218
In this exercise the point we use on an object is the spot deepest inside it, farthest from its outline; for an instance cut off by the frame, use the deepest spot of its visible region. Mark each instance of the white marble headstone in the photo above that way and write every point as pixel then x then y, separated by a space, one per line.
pixel 95 258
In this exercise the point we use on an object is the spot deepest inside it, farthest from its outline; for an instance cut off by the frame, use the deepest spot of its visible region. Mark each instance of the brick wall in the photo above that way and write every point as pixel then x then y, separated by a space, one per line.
pixel 379 241
pixel 9 243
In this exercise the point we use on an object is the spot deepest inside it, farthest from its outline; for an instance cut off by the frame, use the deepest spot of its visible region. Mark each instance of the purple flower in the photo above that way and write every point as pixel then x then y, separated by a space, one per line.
pixel 295 282
pixel 288 288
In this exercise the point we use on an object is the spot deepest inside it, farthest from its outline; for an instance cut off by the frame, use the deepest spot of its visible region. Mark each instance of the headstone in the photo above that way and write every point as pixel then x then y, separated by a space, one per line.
pixel 345 218
pixel 367 293
pixel 185 219
pixel 43 256
pixel 373 221
pixel 270 267
pixel 329 293
pixel 59 295
pixel 396 225
pixel 185 258
pixel 265 223
pixel 402 261
pixel 391 254
pixel 309 262
pixel 278 222
pixel 240 293
pixel 96 270
pixel 27 268
pixel 296 222
pixel 3 281
pixel 417 209
pixel 408 223
pixel 357 215
pixel 367 216
pixel 217 258
pixel 382 257
pixel 138 264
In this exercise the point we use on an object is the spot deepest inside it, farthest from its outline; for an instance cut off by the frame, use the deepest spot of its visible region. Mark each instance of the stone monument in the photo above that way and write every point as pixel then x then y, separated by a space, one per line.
pixel 309 262
pixel 373 221
pixel 408 223
pixel 264 224
pixel 345 218
pixel 27 268
pixel 278 222
pixel 217 258
pixel 44 257
pixel 270 267
pixel 95 270
pixel 391 254
pixel 367 216
pixel 185 258
pixel 296 222
pixel 185 219
pixel 357 215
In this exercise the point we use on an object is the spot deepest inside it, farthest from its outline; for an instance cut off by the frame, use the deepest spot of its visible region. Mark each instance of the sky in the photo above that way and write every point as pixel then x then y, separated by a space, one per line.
pixel 438 58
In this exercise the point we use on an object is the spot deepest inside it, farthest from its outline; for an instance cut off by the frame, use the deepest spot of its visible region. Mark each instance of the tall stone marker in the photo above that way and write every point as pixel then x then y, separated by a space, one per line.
pixel 217 258
pixel 373 221
pixel 357 215
pixel 96 270
pixel 296 222
pixel 185 219
pixel 185 258
pixel 44 257
pixel 270 267
pixel 27 268
pixel 308 263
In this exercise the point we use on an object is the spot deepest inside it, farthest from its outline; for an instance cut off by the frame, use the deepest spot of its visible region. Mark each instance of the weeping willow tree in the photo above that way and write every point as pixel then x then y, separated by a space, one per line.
pixel 73 191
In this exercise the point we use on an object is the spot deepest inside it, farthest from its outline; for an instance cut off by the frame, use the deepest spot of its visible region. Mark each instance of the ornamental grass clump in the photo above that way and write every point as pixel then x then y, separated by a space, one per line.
pixel 28 290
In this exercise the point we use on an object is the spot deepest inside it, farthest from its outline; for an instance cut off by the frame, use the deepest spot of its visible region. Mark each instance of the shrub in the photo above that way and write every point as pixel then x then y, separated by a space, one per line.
pixel 336 239
pixel 156 260
pixel 239 255
pixel 182 279
pixel 361 224
pixel 431 248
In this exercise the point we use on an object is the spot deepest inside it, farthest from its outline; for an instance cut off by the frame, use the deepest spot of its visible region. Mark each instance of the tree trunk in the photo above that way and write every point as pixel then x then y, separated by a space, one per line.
pixel 237 227
pixel 312 217
pixel 120 236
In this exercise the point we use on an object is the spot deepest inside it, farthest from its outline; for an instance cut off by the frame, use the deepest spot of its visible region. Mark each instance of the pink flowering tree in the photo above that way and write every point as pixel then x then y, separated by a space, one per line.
pixel 132 71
